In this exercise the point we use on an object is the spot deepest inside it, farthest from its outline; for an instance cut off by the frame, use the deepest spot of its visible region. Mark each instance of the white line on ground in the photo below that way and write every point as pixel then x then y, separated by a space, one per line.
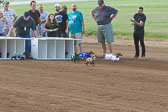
pixel 47 1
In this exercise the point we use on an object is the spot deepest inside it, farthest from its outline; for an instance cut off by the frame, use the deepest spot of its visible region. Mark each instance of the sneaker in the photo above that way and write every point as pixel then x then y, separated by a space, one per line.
pixel 143 56
pixel 135 57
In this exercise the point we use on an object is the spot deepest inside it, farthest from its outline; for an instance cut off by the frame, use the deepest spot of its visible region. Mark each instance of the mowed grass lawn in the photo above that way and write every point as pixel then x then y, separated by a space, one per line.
pixel 155 10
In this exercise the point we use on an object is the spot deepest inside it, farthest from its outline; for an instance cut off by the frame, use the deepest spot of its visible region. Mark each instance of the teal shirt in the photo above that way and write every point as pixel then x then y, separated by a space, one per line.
pixel 75 22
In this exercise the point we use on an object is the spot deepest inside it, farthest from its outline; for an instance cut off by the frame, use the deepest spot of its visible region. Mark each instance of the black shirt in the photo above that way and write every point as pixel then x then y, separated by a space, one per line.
pixel 52 26
pixel 139 18
pixel 61 19
pixel 103 16
pixel 23 27
pixel 35 15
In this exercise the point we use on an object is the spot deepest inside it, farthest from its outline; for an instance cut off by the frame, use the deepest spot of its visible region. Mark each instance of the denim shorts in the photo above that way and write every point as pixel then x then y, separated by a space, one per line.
pixel 105 32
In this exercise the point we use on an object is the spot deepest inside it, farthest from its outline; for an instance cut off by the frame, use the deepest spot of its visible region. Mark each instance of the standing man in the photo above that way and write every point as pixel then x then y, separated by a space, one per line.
pixel 61 18
pixel 23 25
pixel 75 26
pixel 139 22
pixel 102 16
pixel 11 17
pixel 64 8
pixel 35 14
pixel 43 17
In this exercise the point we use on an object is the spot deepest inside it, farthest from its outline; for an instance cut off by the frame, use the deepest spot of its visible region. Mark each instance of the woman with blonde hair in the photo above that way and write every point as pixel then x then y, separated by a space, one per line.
pixel 3 21
pixel 51 26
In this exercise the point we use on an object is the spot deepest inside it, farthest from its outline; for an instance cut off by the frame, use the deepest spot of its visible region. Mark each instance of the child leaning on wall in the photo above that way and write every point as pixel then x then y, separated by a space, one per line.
pixel 2 22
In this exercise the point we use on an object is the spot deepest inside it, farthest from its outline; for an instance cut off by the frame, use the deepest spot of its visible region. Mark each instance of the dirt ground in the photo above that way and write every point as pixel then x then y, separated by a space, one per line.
pixel 130 85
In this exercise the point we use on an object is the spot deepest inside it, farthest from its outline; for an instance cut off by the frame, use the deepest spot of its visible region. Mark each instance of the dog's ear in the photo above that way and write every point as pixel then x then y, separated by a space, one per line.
pixel 118 54
pixel 91 52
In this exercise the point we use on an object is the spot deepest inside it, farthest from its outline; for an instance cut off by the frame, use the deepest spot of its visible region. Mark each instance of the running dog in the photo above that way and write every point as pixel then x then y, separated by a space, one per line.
pixel 91 60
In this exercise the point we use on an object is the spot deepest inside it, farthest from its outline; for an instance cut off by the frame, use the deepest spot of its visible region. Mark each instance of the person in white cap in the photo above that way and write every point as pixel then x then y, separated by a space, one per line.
pixel 61 18
pixel 11 17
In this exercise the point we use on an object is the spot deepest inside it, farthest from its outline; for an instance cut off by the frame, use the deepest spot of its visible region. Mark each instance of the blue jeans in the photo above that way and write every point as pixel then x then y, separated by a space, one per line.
pixel 27 42
pixel 64 35
pixel 3 34
pixel 32 32
pixel 44 34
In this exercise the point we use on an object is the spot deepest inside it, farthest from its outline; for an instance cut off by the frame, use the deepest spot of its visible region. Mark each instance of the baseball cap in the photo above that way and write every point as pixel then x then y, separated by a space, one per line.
pixel 100 2
pixel 57 5
pixel 26 14
pixel 5 2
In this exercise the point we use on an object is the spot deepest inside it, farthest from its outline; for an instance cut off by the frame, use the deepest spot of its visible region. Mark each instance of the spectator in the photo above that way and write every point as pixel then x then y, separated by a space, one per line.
pixel 61 17
pixel 64 8
pixel 43 17
pixel 23 25
pixel 75 26
pixel 139 22
pixel 51 26
pixel 35 14
pixel 3 21
pixel 11 17
pixel 102 16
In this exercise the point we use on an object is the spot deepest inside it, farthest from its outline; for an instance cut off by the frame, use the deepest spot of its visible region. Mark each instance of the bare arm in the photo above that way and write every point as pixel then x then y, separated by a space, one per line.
pixel 83 28
pixel 43 20
pixel 14 19
pixel 67 27
pixel 140 24
pixel 93 16
pixel 35 32
pixel 39 24
pixel 114 15
pixel 10 30
pixel 50 30
pixel 5 20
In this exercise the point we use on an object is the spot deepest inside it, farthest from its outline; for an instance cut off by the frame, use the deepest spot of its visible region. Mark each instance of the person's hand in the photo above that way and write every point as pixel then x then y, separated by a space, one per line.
pixel 40 29
pixel 66 31
pixel 83 31
pixel 50 30
pixel 55 29
pixel 111 19
pixel 132 20
pixel 7 35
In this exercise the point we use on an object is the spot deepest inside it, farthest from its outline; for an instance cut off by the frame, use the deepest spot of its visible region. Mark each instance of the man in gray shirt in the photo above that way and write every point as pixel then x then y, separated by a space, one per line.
pixel 102 16
pixel 23 25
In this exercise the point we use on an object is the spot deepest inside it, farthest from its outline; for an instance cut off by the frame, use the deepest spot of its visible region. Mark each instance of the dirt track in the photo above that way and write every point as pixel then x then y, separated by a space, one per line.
pixel 130 85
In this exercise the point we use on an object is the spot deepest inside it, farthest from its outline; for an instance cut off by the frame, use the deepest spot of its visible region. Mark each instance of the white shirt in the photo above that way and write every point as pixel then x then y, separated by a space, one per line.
pixel 9 14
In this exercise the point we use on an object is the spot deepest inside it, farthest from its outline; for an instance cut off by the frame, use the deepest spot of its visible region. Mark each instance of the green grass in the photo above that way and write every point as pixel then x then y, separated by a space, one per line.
pixel 155 10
